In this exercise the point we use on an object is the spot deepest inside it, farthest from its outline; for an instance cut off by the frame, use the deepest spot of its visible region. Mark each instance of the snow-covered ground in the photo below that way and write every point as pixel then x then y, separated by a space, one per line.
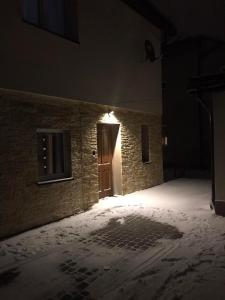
pixel 66 261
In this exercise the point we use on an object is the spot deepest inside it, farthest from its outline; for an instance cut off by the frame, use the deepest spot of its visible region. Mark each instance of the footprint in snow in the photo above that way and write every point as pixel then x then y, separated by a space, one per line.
pixel 173 259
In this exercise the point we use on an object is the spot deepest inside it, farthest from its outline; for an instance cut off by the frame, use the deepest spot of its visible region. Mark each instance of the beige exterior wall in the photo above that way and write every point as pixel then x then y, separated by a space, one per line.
pixel 24 204
pixel 107 67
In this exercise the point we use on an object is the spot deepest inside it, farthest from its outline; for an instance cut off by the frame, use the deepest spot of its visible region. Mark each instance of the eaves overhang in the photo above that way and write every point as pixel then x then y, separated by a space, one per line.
pixel 152 14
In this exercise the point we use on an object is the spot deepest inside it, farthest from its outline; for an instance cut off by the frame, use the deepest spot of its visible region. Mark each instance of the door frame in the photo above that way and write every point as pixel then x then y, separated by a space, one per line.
pixel 116 156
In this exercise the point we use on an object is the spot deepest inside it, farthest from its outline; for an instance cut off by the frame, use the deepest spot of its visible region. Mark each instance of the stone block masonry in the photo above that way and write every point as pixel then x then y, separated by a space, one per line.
pixel 24 203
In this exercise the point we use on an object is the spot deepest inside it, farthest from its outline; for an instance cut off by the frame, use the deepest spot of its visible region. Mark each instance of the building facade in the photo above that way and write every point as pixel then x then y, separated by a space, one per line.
pixel 62 148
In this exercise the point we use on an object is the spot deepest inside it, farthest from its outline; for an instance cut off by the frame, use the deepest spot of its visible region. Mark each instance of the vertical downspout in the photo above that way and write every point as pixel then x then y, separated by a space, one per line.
pixel 164 130
pixel 211 124
pixel 200 128
pixel 212 159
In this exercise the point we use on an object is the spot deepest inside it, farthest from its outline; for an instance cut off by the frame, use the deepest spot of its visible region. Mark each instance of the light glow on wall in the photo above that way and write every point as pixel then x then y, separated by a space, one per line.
pixel 109 118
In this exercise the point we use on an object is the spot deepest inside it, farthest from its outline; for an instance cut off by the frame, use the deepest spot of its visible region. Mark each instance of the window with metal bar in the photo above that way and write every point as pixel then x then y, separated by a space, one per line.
pixel 54 158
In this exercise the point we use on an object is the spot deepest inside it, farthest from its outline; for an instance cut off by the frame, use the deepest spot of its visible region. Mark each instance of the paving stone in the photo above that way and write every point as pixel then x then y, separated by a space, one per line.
pixel 136 233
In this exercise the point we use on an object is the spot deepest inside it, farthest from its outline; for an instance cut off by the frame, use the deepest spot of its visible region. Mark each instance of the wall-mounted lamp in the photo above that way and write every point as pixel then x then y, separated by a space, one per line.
pixel 110 113
pixel 109 117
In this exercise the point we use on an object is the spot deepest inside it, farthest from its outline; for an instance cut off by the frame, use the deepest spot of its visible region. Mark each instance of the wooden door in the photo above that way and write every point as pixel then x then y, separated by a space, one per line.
pixel 104 137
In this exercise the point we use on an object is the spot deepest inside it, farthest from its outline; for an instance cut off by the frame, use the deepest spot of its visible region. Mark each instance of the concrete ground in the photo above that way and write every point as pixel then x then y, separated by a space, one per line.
pixel 160 243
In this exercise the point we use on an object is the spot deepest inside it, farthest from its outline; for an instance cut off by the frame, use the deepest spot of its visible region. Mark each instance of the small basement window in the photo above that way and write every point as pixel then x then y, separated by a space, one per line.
pixel 145 144
pixel 56 16
pixel 54 155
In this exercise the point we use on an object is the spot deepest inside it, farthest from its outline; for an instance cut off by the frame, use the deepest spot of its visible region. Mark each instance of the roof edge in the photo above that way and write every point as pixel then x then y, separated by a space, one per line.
pixel 152 14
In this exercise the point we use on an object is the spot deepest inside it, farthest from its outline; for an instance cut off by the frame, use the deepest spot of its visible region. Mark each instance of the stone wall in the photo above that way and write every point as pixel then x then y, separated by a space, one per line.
pixel 136 174
pixel 24 203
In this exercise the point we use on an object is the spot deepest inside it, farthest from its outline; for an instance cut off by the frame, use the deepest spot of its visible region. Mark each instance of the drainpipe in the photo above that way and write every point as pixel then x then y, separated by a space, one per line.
pixel 210 115
pixel 211 122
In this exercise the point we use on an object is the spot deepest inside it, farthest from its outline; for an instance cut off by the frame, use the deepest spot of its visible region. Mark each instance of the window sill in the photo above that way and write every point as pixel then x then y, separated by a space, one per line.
pixel 147 163
pixel 54 180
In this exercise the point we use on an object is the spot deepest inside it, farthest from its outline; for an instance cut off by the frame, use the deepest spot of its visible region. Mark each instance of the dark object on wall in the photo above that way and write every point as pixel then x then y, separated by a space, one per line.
pixel 145 143
pixel 56 16
pixel 149 51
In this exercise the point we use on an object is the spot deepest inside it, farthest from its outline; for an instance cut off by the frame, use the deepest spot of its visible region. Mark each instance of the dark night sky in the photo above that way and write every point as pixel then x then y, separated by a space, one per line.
pixel 195 17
